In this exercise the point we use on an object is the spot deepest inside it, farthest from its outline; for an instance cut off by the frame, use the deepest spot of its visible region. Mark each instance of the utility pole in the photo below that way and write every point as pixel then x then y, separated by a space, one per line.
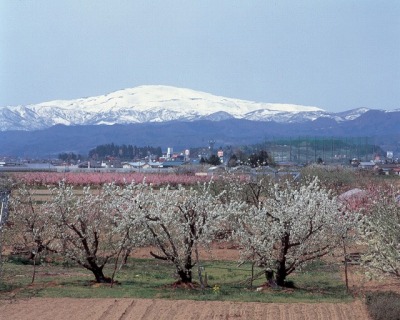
pixel 211 144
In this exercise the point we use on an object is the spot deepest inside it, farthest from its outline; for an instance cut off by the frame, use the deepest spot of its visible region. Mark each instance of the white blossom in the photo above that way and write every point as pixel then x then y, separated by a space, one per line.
pixel 380 230
pixel 291 225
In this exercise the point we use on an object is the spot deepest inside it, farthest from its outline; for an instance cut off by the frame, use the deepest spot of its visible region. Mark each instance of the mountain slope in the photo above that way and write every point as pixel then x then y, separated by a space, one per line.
pixel 154 104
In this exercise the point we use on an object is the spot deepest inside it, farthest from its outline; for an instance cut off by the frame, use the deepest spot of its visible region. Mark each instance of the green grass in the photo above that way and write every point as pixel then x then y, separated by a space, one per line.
pixel 145 278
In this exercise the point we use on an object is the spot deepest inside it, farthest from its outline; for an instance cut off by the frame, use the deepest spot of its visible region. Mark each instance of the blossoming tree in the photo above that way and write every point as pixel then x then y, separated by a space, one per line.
pixel 5 187
pixel 85 229
pixel 122 204
pixel 31 228
pixel 293 225
pixel 179 220
pixel 380 230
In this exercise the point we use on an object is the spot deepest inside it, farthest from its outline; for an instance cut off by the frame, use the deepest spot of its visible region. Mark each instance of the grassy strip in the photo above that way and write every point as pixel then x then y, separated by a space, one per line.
pixel 144 278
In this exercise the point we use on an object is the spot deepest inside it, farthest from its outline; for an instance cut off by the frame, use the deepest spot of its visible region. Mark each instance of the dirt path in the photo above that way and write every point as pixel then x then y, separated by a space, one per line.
pixel 141 309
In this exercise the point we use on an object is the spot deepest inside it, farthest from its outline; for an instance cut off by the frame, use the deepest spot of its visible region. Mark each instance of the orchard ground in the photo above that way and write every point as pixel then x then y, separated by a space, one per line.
pixel 132 308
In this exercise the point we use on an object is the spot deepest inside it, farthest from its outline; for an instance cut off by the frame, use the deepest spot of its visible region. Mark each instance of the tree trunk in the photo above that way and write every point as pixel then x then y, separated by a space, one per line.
pixel 281 273
pixel 269 275
pixel 185 275
pixel 199 267
pixel 281 262
pixel 99 275
pixel 34 268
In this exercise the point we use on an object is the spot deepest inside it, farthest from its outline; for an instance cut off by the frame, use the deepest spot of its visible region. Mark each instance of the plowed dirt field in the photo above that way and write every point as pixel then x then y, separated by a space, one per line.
pixel 119 309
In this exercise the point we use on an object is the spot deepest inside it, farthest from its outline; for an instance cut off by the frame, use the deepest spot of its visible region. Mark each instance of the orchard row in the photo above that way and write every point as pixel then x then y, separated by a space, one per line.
pixel 99 178
pixel 278 226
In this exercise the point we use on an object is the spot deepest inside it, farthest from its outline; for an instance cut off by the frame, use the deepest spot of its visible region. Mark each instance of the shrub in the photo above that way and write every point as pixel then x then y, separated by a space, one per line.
pixel 383 305
pixel 23 260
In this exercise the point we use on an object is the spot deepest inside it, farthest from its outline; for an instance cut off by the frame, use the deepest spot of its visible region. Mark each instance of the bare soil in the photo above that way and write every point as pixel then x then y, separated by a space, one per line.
pixel 219 251
pixel 110 309
pixel 359 285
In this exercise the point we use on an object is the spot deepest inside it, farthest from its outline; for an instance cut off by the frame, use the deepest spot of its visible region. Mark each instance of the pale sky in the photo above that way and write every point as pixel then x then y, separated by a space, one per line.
pixel 334 54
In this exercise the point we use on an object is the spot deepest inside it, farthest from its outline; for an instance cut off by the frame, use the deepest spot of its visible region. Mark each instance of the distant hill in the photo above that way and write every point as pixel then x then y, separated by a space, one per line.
pixel 382 126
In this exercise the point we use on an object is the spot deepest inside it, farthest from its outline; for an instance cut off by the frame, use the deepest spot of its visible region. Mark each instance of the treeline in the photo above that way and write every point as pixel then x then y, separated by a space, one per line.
pixel 124 151
pixel 256 159
pixel 70 156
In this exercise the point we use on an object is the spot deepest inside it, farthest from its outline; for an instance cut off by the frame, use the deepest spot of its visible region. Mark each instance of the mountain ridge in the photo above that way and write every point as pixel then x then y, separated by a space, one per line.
pixel 146 104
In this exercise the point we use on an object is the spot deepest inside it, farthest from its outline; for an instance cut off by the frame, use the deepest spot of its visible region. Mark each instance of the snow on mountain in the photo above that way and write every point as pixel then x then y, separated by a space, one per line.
pixel 154 104
pixel 350 114
pixel 395 110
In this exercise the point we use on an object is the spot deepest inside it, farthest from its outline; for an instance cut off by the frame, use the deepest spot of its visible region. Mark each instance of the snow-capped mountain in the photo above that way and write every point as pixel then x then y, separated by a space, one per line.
pixel 145 104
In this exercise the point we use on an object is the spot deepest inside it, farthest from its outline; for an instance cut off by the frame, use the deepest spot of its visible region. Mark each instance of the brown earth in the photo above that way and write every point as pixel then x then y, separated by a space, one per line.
pixel 359 285
pixel 219 251
pixel 110 309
